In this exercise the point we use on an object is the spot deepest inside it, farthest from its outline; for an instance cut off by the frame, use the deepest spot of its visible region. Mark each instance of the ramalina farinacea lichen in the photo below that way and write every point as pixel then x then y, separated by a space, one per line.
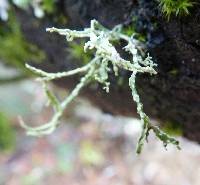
pixel 105 59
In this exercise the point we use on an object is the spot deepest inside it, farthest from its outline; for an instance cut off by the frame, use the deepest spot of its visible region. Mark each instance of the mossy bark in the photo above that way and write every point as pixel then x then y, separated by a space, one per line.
pixel 171 96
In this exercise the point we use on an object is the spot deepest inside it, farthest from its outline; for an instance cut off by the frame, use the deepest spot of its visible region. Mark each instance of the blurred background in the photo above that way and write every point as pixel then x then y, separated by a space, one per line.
pixel 89 147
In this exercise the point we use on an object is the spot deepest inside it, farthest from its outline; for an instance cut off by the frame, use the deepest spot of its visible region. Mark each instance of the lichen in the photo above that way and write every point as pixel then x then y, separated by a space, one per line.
pixel 106 59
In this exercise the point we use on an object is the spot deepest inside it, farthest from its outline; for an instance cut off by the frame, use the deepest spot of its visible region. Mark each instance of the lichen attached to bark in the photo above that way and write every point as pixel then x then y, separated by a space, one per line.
pixel 106 59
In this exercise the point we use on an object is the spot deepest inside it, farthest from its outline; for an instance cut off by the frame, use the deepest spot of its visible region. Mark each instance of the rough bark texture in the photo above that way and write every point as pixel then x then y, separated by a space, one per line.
pixel 172 95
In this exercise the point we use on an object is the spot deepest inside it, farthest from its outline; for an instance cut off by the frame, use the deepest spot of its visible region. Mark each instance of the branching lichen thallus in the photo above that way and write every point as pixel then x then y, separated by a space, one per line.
pixel 105 57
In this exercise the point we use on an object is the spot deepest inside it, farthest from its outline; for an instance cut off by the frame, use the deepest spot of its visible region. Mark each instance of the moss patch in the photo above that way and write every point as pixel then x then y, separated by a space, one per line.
pixel 172 128
pixel 130 30
pixel 77 52
pixel 14 49
pixel 7 136
pixel 48 6
pixel 175 7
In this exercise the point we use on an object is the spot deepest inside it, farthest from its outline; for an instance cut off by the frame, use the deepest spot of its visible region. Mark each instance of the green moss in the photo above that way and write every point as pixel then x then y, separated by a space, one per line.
pixel 173 128
pixel 14 49
pixel 131 30
pixel 7 136
pixel 48 6
pixel 173 72
pixel 60 18
pixel 175 7
pixel 77 51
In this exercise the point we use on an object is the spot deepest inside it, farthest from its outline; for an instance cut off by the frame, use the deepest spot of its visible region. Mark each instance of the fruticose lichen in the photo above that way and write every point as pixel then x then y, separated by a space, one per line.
pixel 106 58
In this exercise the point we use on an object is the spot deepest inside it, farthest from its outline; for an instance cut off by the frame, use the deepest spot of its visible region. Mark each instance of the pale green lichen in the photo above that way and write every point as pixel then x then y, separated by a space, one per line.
pixel 106 58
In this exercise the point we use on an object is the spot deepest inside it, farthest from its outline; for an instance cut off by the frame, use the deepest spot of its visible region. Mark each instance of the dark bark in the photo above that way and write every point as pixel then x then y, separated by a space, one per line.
pixel 172 95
